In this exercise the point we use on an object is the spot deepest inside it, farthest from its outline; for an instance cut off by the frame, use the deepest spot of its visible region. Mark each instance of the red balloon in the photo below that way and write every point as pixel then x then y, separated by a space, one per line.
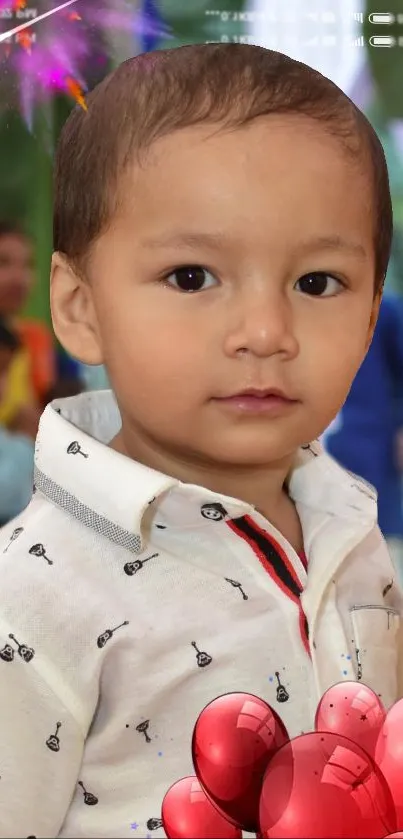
pixel 353 710
pixel 389 755
pixel 187 813
pixel 324 785
pixel 233 740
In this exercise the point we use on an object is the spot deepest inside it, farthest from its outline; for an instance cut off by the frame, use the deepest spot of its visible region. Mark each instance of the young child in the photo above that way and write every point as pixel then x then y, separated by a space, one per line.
pixel 16 449
pixel 222 232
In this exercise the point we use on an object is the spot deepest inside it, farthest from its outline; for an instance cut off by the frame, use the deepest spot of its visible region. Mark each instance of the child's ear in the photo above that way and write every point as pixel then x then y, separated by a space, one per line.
pixel 374 317
pixel 73 313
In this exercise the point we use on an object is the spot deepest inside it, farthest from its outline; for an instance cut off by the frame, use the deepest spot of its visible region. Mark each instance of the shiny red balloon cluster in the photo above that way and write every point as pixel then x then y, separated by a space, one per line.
pixel 345 779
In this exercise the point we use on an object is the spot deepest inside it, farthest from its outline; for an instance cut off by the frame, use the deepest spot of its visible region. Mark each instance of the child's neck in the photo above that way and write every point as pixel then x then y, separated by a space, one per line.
pixel 263 487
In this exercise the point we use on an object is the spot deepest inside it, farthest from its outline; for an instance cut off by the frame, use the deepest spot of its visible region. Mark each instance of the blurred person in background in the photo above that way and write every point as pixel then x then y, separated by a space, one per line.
pixel 38 373
pixel 367 436
pixel 18 404
pixel 16 448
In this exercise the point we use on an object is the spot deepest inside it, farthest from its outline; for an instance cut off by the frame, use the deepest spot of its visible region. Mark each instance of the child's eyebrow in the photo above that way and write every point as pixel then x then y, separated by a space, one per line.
pixel 187 239
pixel 219 240
pixel 332 243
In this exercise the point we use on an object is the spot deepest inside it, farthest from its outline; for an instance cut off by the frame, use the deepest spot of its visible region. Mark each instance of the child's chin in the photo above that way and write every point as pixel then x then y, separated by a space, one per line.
pixel 252 452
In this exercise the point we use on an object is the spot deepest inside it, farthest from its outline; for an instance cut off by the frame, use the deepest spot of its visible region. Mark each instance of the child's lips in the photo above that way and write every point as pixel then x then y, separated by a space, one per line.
pixel 253 401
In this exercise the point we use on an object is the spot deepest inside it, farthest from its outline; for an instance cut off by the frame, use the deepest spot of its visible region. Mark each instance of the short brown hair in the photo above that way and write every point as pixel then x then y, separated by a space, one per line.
pixel 156 93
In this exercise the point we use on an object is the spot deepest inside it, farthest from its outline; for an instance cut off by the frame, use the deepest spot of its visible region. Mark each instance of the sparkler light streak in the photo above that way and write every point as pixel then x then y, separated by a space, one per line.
pixel 69 50
pixel 4 36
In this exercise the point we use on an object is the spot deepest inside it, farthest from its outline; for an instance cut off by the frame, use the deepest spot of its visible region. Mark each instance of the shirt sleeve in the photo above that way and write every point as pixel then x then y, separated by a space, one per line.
pixel 41 747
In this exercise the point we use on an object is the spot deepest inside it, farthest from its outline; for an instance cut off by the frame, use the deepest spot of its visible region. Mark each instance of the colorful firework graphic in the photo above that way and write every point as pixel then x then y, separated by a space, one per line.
pixel 64 48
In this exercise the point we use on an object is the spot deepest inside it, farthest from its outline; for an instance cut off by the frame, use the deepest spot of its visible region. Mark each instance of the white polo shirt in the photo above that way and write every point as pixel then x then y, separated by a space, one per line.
pixel 129 601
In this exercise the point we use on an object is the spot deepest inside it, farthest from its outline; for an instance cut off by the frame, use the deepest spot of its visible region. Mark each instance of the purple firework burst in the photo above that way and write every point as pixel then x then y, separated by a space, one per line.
pixel 61 48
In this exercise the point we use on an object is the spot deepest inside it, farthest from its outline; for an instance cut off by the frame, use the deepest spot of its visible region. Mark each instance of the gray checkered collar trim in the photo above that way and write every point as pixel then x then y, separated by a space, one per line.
pixel 77 471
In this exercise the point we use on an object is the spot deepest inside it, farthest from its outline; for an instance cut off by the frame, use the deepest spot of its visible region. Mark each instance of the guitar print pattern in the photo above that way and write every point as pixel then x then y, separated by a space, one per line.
pixel 88 797
pixel 15 649
pixel 106 636
pixel 202 659
pixel 7 653
pixel 145 628
pixel 143 728
pixel 53 742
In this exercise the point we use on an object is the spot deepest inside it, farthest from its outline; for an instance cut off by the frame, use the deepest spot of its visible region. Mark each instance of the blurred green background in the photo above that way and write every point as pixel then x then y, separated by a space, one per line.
pixel 26 157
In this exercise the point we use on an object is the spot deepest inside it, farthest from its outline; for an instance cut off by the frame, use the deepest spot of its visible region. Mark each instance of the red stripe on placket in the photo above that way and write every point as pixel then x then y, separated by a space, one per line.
pixel 275 562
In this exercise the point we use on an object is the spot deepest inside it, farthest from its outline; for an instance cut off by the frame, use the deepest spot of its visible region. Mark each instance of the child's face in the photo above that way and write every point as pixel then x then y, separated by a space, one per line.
pixel 265 196
pixel 16 275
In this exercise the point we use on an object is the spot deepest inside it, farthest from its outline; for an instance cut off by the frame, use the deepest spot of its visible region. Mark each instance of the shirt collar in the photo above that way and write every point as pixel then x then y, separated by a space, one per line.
pixel 77 470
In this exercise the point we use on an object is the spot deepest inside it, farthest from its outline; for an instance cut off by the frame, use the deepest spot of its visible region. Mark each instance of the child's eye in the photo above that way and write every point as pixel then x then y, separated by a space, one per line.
pixel 190 278
pixel 319 284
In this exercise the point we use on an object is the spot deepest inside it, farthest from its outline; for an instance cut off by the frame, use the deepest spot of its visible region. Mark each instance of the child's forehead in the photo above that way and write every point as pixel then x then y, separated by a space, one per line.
pixel 211 177
pixel 205 133
pixel 272 145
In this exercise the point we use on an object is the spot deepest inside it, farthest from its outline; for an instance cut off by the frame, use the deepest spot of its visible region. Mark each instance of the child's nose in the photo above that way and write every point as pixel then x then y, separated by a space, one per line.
pixel 262 327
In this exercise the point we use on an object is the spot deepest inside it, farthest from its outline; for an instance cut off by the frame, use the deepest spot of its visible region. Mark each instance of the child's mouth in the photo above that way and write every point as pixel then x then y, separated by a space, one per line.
pixel 252 401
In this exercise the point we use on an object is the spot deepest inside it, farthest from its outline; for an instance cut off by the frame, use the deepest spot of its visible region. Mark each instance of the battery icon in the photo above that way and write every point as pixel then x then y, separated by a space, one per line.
pixel 380 18
pixel 382 41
